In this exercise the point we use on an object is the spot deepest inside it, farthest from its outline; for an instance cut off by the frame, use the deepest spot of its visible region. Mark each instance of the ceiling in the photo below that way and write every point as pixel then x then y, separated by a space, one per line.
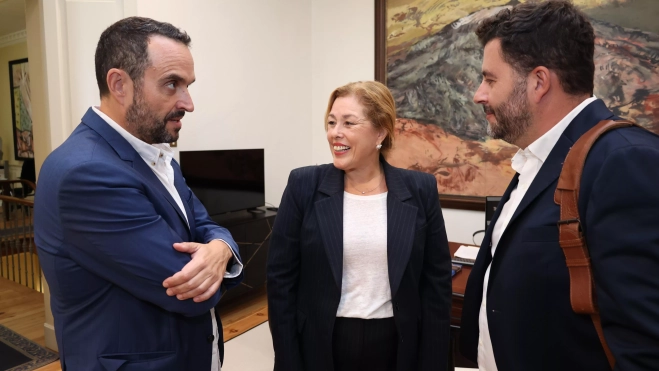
pixel 12 16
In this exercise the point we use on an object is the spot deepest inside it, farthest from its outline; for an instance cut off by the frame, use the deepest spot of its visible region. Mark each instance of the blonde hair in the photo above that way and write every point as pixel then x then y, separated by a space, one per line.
pixel 378 104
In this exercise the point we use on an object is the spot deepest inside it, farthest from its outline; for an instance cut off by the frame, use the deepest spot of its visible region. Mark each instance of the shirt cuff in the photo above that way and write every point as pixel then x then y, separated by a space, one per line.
pixel 237 268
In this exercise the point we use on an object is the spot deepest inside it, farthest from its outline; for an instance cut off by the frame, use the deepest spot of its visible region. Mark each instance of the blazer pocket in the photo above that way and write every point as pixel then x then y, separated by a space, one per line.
pixel 138 361
pixel 301 320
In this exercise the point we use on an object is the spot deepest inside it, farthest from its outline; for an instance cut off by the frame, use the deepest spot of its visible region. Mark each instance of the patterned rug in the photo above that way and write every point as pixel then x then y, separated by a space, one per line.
pixel 20 354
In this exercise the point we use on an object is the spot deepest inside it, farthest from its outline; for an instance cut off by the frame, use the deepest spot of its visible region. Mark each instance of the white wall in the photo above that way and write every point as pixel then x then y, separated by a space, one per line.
pixel 343 51
pixel 253 68
pixel 85 23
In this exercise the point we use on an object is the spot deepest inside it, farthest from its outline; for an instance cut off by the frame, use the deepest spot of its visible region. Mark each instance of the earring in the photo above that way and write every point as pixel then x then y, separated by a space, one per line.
pixel 378 146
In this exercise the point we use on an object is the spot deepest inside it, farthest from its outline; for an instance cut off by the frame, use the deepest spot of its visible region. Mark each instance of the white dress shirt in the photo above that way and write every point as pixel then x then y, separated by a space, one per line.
pixel 159 159
pixel 527 162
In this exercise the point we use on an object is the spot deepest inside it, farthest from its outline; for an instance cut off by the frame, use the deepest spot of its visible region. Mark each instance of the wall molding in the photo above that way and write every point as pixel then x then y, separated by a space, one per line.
pixel 13 38
pixel 49 336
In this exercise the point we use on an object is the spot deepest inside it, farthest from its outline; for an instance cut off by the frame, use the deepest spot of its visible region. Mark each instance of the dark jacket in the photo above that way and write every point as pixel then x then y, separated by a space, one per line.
pixel 104 226
pixel 305 265
pixel 531 322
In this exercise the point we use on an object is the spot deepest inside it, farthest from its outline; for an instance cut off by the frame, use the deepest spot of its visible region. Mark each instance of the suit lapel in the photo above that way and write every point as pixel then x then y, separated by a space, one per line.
pixel 329 212
pixel 401 223
pixel 484 257
pixel 401 220
pixel 548 173
pixel 182 189
pixel 486 245
pixel 155 183
pixel 551 168
pixel 128 154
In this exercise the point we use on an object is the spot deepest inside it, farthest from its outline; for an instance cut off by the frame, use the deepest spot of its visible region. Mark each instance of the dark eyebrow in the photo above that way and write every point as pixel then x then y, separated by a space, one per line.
pixel 175 77
pixel 487 73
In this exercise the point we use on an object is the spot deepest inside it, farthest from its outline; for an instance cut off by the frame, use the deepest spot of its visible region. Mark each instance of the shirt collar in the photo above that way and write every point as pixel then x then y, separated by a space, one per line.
pixel 542 146
pixel 148 152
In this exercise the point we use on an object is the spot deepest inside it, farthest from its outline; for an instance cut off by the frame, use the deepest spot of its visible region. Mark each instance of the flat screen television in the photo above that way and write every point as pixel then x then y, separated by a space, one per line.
pixel 225 180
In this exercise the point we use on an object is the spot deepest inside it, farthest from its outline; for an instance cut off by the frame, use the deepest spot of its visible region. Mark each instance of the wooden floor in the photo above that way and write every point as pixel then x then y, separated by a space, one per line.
pixel 22 311
pixel 243 316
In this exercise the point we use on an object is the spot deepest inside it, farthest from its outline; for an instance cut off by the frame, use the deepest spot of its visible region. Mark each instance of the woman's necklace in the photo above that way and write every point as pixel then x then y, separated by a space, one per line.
pixel 369 191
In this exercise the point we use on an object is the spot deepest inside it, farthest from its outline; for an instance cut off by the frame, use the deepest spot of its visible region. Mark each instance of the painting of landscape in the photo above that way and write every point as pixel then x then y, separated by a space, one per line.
pixel 433 67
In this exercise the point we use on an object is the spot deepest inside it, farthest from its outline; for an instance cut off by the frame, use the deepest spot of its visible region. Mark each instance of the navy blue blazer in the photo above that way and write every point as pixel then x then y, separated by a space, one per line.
pixel 531 322
pixel 104 229
pixel 305 265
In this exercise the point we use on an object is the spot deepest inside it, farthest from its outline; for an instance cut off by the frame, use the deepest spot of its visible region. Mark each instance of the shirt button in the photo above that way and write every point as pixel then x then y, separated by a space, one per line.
pixel 160 155
pixel 210 339
pixel 153 163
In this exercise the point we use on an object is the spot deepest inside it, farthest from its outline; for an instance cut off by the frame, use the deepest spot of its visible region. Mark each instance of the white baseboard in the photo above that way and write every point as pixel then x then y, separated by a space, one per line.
pixel 49 334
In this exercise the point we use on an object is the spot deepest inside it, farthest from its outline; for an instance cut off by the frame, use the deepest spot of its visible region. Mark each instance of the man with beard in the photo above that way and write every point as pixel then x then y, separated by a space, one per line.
pixel 537 92
pixel 133 261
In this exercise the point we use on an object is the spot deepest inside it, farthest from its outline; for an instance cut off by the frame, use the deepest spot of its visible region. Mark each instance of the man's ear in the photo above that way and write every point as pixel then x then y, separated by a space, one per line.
pixel 120 86
pixel 540 83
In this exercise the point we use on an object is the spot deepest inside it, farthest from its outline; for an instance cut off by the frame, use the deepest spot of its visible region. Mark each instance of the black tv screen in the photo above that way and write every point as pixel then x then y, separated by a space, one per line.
pixel 225 180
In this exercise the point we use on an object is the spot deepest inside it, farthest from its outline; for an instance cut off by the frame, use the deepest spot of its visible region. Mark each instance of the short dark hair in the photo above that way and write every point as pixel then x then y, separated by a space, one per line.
pixel 124 45
pixel 553 34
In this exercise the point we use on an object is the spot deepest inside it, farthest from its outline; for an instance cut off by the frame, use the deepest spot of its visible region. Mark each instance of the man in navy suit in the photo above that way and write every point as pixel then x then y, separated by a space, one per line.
pixel 537 92
pixel 133 261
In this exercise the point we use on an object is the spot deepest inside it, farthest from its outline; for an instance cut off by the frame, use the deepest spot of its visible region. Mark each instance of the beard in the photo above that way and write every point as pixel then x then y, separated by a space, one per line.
pixel 513 117
pixel 145 123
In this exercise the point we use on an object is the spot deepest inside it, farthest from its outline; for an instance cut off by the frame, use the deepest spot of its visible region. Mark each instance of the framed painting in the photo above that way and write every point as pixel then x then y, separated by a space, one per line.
pixel 21 109
pixel 429 57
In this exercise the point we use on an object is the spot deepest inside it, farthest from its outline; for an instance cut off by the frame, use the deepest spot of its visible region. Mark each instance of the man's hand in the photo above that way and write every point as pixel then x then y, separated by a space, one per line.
pixel 202 276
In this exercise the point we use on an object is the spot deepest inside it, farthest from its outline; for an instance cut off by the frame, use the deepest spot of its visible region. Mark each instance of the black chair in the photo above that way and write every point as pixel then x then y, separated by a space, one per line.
pixel 28 173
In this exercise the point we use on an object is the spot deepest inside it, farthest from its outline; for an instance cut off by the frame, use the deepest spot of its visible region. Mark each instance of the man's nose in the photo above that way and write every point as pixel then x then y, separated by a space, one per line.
pixel 480 97
pixel 185 101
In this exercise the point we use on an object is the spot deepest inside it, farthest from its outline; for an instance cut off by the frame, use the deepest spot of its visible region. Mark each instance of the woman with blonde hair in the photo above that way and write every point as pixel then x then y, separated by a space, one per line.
pixel 359 272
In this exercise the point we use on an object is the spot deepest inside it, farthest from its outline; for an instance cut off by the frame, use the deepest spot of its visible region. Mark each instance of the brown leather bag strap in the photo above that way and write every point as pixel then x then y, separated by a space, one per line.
pixel 571 239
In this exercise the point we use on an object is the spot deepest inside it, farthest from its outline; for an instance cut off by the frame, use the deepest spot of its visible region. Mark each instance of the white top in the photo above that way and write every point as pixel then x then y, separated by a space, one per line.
pixel 527 163
pixel 365 291
pixel 159 158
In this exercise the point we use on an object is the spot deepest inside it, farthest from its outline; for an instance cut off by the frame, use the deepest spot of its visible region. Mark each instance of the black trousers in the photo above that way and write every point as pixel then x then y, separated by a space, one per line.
pixel 364 344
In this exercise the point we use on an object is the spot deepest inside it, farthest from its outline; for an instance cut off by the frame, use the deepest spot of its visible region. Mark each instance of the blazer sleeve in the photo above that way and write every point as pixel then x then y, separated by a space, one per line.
pixel 208 231
pixel 622 231
pixel 283 272
pixel 435 287
pixel 112 229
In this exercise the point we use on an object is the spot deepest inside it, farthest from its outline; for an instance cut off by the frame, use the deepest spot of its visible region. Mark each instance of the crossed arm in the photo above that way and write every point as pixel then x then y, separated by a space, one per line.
pixel 113 229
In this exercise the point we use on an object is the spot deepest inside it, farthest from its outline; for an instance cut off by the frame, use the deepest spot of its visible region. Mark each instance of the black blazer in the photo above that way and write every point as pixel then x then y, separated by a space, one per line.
pixel 305 266
pixel 531 322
